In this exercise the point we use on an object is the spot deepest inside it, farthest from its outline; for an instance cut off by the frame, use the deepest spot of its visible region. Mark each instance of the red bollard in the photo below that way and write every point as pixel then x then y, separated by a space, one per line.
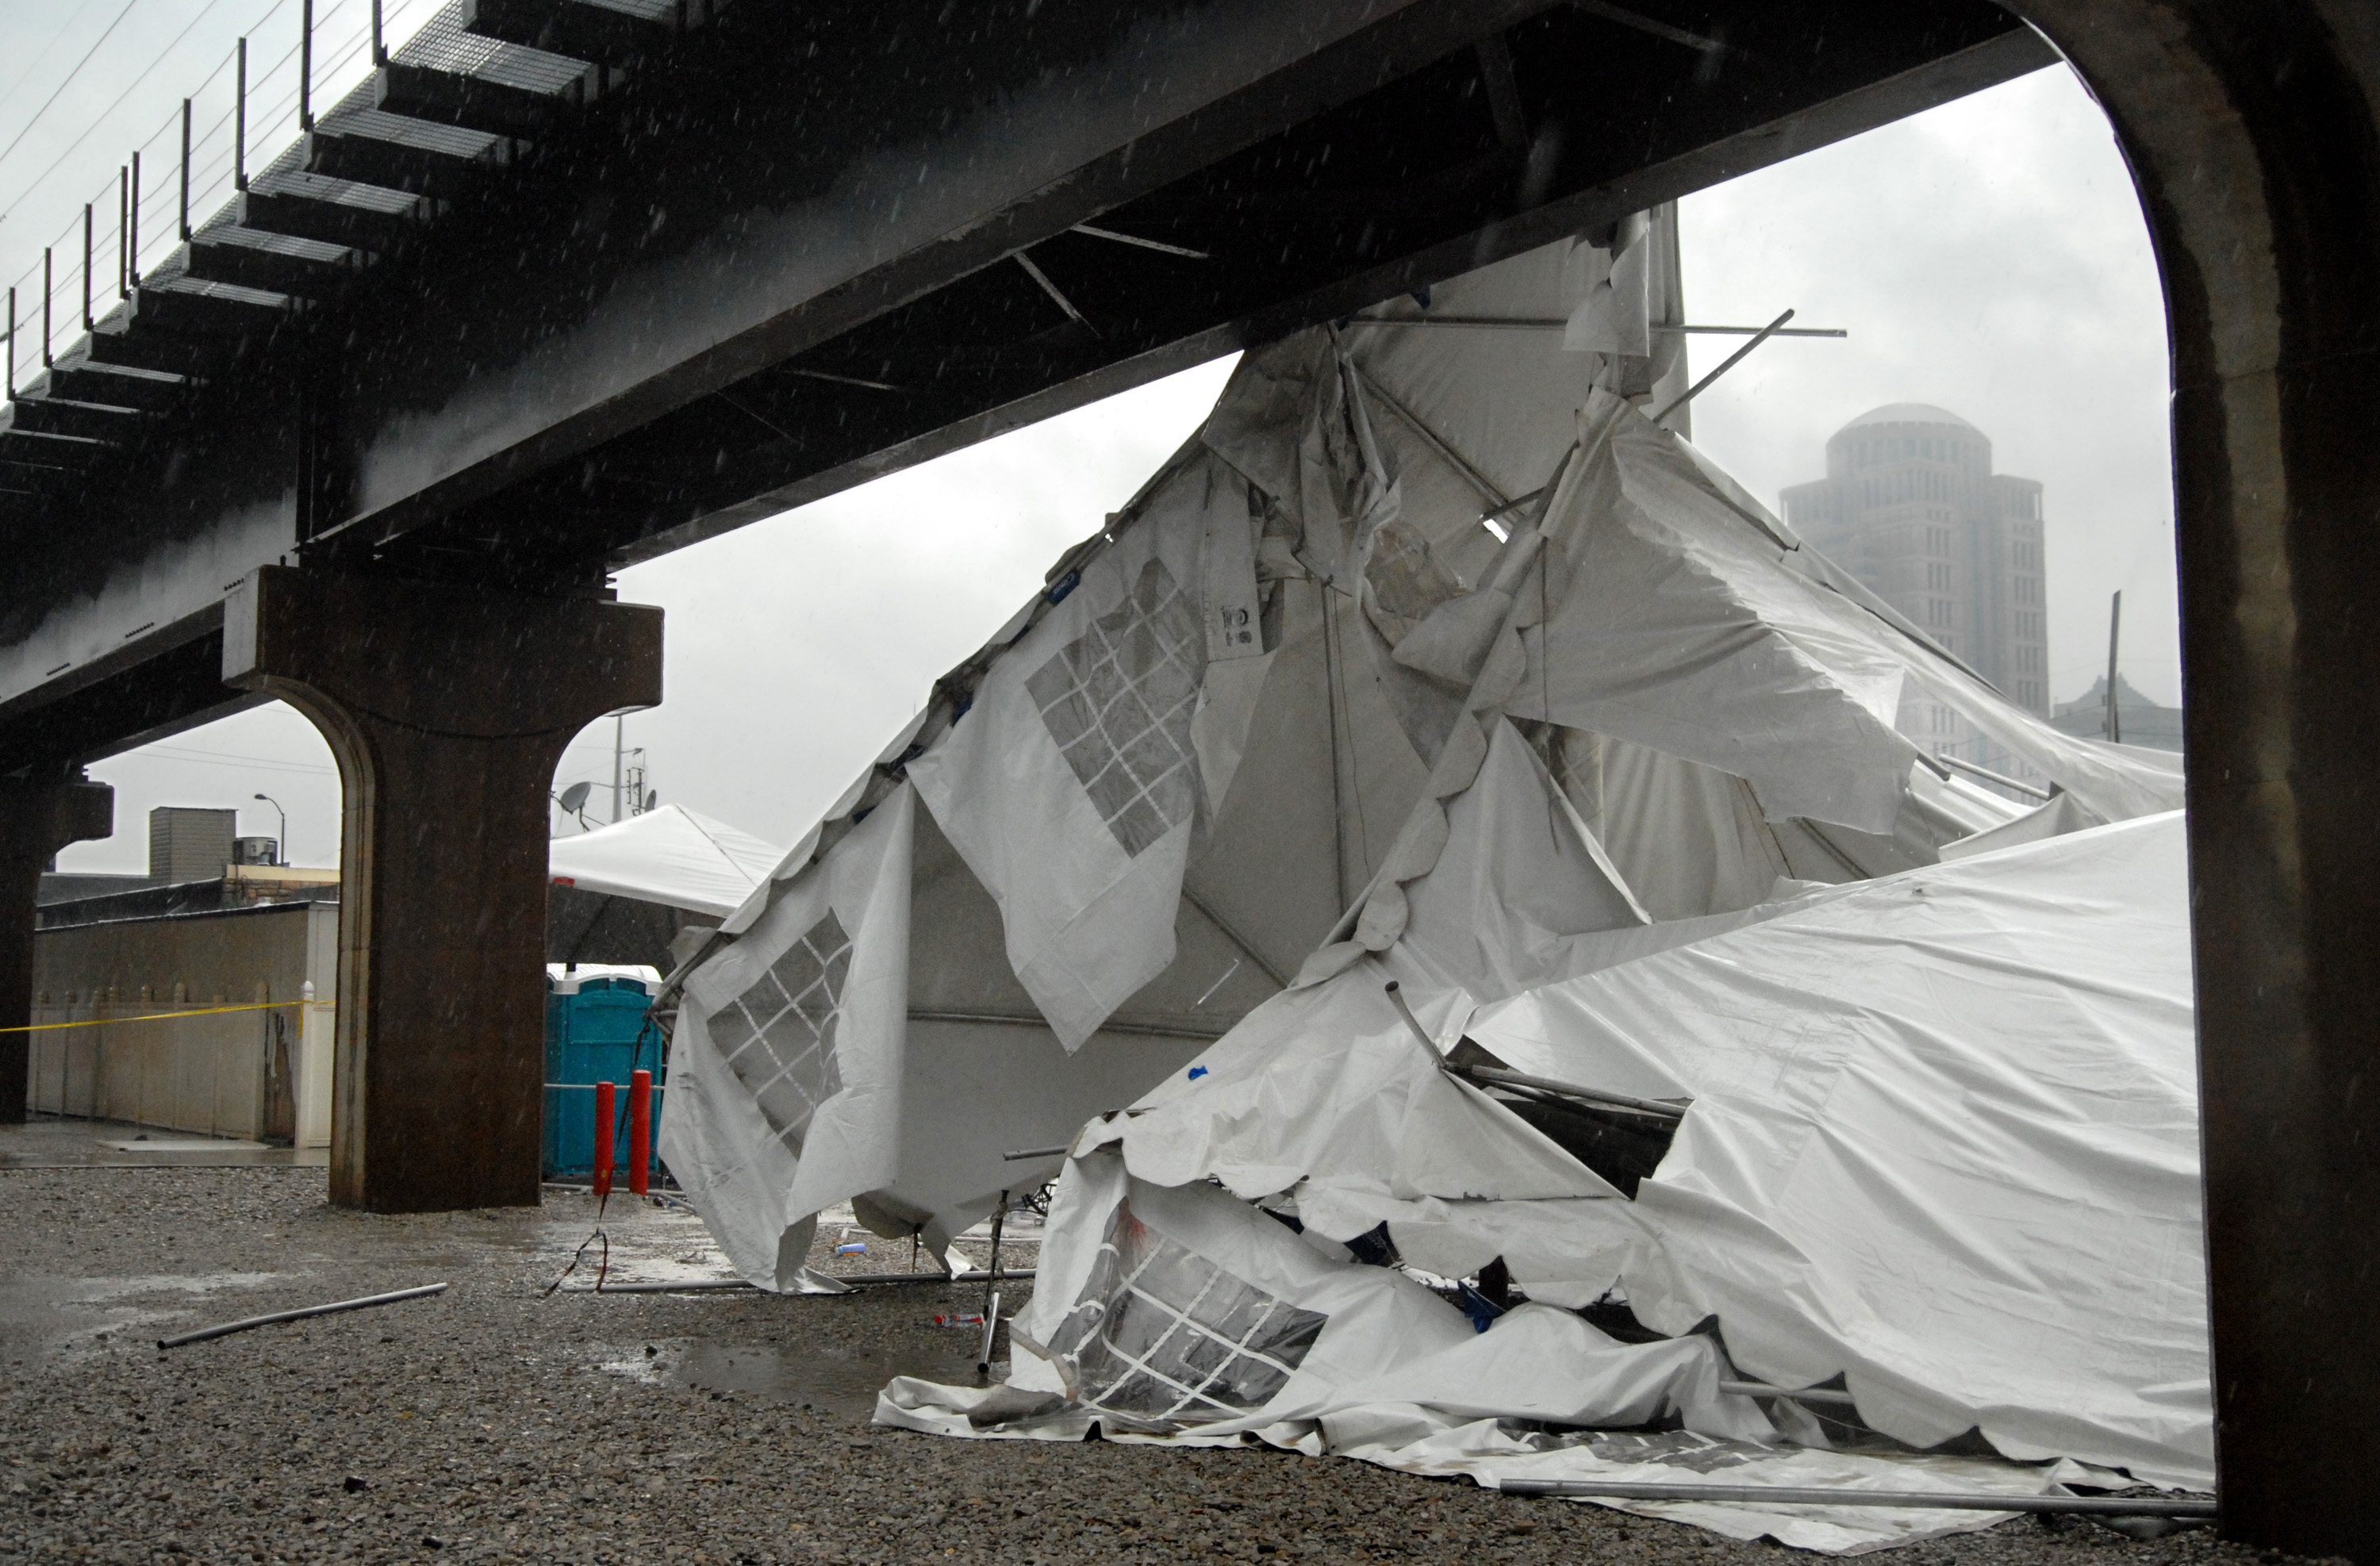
pixel 641 1129
pixel 604 1131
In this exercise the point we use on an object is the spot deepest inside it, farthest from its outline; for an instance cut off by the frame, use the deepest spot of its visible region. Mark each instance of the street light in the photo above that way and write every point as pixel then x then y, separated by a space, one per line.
pixel 281 844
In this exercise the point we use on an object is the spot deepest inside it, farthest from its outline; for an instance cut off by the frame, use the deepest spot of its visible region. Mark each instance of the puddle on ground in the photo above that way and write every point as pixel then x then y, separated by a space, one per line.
pixel 69 1315
pixel 651 1241
pixel 828 1380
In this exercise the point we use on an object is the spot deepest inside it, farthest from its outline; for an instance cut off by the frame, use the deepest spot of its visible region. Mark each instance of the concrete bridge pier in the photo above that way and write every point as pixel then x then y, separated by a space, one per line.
pixel 38 817
pixel 448 708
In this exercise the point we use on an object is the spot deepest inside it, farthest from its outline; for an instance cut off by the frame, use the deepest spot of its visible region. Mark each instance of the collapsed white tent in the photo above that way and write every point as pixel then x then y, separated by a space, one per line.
pixel 1297 709
pixel 1941 1152
pixel 669 854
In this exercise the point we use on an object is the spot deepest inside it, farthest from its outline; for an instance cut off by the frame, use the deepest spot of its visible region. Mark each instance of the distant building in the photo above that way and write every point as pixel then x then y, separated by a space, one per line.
pixel 1910 506
pixel 2139 721
pixel 188 844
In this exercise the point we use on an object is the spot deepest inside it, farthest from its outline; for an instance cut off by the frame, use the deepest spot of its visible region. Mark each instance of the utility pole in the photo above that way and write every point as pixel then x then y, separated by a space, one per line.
pixel 619 729
pixel 2115 623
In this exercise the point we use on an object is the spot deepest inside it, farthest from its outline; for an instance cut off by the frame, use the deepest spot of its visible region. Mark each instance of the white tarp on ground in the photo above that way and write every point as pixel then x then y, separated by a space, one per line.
pixel 786 1060
pixel 1179 1314
pixel 1944 1143
pixel 669 854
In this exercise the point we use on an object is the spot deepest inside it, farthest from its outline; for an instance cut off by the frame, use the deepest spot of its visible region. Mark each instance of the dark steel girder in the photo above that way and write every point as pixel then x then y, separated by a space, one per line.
pixel 679 308
pixel 1391 188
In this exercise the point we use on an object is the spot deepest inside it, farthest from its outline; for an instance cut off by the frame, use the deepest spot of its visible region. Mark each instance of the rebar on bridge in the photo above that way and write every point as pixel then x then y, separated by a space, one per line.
pixel 186 169
pixel 132 228
pixel 306 66
pixel 239 120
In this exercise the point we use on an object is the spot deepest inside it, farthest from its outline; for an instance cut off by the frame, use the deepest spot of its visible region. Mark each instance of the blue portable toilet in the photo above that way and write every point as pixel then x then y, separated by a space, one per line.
pixel 593 1016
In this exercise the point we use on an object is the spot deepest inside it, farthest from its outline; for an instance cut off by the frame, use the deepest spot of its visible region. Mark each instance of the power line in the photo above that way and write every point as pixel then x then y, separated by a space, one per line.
pixel 57 162
pixel 62 86
pixel 43 53
pixel 270 117
pixel 101 118
pixel 223 758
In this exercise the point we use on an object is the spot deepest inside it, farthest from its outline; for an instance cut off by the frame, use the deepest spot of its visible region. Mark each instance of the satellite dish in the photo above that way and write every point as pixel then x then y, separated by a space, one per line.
pixel 573 798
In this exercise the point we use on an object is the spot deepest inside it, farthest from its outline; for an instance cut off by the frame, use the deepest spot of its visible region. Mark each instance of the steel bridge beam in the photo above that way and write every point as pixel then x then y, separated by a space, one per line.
pixel 653 320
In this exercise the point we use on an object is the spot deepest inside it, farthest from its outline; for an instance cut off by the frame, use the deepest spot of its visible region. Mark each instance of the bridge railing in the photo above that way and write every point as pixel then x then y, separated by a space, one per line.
pixel 191 151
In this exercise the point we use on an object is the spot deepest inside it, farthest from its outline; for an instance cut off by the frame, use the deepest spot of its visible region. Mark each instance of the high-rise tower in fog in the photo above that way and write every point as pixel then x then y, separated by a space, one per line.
pixel 1910 506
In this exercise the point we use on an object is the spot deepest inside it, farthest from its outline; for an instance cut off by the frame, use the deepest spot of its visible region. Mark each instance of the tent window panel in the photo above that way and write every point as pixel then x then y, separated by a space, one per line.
pixel 1162 1332
pixel 1118 700
pixel 785 1057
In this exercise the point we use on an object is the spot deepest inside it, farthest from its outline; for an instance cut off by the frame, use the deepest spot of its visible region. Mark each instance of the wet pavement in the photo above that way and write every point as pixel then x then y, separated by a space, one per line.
pixel 50 1143
pixel 499 1423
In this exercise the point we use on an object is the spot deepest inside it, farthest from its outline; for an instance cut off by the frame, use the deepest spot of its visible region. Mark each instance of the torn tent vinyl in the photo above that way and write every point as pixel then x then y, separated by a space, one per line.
pixel 1301 709
pixel 1935 1148
pixel 1195 757
pixel 1938 1150
pixel 1153 792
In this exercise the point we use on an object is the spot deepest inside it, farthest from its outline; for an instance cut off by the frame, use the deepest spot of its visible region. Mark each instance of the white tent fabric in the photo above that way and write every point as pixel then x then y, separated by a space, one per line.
pixel 669 854
pixel 1944 1143
pixel 786 1062
pixel 1679 632
pixel 1325 1091
pixel 1655 606
pixel 1071 788
pixel 1166 1308
pixel 2062 814
pixel 1298 704
pixel 1519 878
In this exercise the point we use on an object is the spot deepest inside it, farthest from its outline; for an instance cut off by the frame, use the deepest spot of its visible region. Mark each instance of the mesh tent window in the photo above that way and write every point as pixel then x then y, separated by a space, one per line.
pixel 1161 1332
pixel 778 1036
pixel 1119 700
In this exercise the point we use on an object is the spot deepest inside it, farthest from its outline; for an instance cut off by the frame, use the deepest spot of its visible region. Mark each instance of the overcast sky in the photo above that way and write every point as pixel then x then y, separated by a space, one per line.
pixel 1988 257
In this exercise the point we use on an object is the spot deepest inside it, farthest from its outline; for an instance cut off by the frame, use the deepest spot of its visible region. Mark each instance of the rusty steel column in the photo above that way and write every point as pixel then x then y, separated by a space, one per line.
pixel 2250 125
pixel 37 819
pixel 448 708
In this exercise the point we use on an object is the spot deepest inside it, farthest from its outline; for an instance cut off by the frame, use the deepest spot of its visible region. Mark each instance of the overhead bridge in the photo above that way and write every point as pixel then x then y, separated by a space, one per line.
pixel 564 284
pixel 568 283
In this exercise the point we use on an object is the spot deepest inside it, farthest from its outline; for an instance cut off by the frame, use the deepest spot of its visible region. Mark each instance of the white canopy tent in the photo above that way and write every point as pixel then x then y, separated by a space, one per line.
pixel 668 855
pixel 1301 710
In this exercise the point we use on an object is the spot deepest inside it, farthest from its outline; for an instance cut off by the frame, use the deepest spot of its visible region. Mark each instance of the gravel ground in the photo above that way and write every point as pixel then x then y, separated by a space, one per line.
pixel 493 1424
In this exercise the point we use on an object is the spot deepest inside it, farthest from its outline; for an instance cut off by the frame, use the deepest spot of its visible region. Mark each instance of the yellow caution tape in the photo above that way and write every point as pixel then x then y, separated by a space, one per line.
pixel 165 1017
